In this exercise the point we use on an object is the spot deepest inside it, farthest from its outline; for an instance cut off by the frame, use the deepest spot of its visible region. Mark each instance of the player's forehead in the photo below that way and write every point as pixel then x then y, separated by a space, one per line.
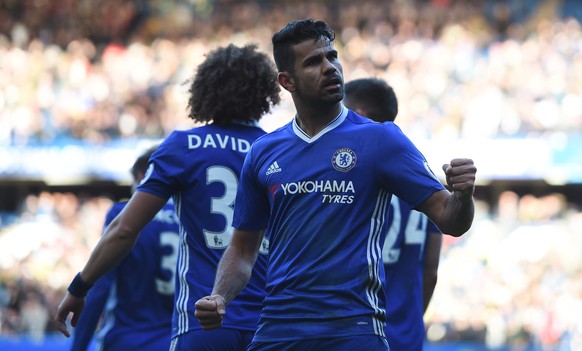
pixel 309 48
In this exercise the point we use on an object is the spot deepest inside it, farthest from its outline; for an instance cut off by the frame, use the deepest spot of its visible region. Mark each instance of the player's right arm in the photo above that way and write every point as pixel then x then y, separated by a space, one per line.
pixel 233 273
pixel 116 243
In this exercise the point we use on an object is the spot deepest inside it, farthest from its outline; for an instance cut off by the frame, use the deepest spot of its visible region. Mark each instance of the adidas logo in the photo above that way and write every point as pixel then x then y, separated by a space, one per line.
pixel 273 168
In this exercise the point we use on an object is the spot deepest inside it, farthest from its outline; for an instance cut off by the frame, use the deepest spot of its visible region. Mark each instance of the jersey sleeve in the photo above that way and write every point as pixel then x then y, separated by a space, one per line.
pixel 162 177
pixel 403 168
pixel 96 298
pixel 251 204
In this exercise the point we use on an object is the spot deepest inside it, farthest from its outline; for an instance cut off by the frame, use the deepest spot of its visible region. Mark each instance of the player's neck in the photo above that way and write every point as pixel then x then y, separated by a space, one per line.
pixel 312 120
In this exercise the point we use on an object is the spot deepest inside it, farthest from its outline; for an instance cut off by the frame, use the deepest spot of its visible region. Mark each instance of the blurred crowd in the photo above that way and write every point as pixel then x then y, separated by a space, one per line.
pixel 69 70
pixel 513 279
pixel 94 71
pixel 50 239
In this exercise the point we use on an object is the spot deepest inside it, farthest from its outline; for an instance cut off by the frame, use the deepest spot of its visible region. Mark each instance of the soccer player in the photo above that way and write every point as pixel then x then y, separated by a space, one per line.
pixel 136 298
pixel 320 186
pixel 412 248
pixel 200 168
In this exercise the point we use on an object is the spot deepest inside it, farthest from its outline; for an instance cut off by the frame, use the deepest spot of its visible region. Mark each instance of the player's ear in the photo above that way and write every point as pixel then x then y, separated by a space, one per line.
pixel 286 81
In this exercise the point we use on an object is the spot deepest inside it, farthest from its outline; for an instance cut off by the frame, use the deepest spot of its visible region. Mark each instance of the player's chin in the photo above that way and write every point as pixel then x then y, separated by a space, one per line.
pixel 334 97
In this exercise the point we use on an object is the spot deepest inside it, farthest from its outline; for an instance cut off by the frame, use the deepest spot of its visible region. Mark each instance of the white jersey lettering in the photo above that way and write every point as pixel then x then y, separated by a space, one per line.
pixel 218 141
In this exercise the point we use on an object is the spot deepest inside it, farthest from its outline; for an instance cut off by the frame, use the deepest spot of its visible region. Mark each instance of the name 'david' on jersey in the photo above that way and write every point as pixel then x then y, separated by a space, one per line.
pixel 216 141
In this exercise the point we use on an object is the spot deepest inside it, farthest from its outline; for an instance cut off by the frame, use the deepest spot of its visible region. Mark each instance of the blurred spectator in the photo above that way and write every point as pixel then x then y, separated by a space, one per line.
pixel 455 74
pixel 34 314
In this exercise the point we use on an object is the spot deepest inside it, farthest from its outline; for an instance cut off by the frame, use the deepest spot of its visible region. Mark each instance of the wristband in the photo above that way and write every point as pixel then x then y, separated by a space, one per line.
pixel 78 287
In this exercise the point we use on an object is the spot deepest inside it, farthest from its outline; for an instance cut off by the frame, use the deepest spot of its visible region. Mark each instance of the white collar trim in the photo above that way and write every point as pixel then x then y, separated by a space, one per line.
pixel 330 126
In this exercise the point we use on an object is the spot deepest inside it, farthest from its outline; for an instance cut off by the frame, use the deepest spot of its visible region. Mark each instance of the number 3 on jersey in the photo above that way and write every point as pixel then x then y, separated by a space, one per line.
pixel 224 205
pixel 165 285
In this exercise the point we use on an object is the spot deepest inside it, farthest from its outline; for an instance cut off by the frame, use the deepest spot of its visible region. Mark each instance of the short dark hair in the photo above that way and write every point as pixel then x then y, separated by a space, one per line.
pixel 141 163
pixel 294 33
pixel 374 96
pixel 233 83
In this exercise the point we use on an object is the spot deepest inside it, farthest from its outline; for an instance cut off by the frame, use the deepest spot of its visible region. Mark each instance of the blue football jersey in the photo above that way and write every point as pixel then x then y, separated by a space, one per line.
pixel 404 256
pixel 324 201
pixel 135 300
pixel 200 169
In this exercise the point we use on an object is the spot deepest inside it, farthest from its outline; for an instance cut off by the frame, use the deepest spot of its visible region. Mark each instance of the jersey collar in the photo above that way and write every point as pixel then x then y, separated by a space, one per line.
pixel 330 126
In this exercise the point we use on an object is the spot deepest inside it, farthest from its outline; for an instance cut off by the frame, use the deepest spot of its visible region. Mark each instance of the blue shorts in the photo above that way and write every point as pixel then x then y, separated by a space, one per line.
pixel 220 339
pixel 346 343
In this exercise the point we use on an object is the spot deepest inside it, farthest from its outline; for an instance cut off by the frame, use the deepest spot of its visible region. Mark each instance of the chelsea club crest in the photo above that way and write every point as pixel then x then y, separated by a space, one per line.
pixel 344 159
